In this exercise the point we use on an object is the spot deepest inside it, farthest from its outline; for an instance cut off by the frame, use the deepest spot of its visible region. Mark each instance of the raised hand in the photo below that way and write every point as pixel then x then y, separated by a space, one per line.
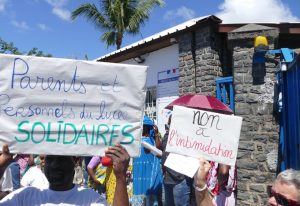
pixel 199 178
pixel 5 159
pixel 120 159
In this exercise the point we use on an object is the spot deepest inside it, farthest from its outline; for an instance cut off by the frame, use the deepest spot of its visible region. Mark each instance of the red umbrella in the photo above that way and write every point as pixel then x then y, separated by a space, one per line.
pixel 201 102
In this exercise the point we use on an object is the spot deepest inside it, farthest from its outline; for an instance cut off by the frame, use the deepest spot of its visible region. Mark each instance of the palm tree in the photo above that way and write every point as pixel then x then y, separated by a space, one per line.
pixel 117 17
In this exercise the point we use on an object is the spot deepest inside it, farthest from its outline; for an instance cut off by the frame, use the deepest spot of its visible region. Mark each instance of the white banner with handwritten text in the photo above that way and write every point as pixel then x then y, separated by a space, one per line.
pixel 70 107
pixel 199 133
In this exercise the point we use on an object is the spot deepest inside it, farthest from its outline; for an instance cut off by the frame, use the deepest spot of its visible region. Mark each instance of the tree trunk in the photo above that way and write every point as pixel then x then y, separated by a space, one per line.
pixel 119 40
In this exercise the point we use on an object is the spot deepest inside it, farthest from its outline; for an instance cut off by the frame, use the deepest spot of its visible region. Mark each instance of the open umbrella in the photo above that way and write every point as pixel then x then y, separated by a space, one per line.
pixel 201 102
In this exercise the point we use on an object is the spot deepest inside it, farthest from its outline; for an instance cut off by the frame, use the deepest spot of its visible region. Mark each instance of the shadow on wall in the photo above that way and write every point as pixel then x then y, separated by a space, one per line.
pixel 258 68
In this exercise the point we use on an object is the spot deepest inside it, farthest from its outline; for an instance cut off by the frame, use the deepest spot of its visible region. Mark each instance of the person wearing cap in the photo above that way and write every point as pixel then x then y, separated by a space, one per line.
pixel 60 172
pixel 147 175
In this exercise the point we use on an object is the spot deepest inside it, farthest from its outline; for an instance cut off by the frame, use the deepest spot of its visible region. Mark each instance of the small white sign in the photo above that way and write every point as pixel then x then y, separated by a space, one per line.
pixel 70 107
pixel 182 164
pixel 199 133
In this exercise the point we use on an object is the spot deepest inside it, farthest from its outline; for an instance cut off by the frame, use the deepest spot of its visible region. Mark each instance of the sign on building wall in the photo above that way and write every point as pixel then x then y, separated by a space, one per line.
pixel 167 84
pixel 163 114
pixel 199 133
pixel 70 107
pixel 167 91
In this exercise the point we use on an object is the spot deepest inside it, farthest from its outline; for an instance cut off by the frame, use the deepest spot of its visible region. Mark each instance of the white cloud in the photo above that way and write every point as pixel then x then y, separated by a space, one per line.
pixel 59 10
pixel 2 5
pixel 182 12
pixel 21 25
pixel 252 11
pixel 64 14
pixel 57 3
pixel 43 27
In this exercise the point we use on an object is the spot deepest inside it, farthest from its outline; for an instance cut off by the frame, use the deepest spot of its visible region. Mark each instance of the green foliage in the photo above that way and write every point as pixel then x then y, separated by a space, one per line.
pixel 35 52
pixel 116 17
pixel 9 48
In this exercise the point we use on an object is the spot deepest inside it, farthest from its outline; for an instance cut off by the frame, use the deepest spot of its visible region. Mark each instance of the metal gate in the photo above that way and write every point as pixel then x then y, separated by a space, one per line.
pixel 290 116
pixel 150 103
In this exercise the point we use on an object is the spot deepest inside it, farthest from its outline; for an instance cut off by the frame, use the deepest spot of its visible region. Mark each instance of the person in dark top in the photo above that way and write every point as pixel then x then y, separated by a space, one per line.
pixel 15 174
pixel 177 186
pixel 59 170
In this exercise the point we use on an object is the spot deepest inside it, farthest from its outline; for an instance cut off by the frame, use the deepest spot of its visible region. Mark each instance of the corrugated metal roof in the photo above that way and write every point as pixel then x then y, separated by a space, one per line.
pixel 166 32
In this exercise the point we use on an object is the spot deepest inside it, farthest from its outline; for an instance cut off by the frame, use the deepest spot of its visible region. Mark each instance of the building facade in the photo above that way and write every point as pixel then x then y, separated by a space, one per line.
pixel 204 50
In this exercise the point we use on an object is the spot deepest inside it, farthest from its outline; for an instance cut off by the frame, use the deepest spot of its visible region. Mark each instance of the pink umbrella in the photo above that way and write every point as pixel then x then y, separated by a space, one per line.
pixel 201 102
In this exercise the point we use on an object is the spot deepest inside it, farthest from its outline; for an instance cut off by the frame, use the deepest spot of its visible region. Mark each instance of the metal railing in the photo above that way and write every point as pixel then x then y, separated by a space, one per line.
pixel 225 91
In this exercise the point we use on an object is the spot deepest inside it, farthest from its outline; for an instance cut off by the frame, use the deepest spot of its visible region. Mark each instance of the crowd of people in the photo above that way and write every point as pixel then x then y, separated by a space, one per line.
pixel 117 179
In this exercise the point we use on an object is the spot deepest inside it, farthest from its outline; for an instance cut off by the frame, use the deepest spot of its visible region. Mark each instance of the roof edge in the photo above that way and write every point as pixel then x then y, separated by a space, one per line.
pixel 161 35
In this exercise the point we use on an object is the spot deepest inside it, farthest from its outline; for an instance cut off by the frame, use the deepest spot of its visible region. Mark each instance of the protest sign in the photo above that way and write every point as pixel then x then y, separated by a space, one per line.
pixel 70 107
pixel 199 133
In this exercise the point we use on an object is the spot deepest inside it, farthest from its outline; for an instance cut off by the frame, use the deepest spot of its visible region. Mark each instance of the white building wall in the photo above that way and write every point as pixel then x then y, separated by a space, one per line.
pixel 160 60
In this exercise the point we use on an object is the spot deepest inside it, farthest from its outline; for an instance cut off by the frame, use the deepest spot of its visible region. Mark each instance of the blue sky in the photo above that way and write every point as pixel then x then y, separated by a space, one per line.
pixel 46 24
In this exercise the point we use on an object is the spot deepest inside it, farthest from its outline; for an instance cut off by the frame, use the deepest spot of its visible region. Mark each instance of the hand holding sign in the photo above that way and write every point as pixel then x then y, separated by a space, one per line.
pixel 70 107
pixel 199 133
pixel 199 178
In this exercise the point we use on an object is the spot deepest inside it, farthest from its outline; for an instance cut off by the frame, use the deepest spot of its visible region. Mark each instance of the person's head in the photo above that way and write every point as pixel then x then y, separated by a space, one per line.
pixel 147 126
pixel 31 160
pixel 167 126
pixel 286 189
pixel 42 160
pixel 146 130
pixel 223 174
pixel 59 171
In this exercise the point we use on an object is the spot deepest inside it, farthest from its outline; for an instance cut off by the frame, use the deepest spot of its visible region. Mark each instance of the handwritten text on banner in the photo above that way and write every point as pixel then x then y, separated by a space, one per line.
pixel 199 133
pixel 70 107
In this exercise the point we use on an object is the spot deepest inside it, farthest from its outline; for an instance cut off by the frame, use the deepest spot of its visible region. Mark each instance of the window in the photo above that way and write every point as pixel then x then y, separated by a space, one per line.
pixel 150 103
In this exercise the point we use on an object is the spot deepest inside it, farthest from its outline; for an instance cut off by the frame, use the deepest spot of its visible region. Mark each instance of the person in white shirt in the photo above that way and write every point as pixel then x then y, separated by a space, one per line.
pixel 60 172
pixel 34 176
pixel 6 184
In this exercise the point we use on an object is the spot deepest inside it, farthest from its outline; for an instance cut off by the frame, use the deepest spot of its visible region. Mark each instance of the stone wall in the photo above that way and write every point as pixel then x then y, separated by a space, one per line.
pixel 258 145
pixel 199 62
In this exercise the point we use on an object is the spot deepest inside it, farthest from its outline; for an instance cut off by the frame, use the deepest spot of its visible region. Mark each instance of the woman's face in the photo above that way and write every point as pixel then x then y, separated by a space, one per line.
pixel 283 193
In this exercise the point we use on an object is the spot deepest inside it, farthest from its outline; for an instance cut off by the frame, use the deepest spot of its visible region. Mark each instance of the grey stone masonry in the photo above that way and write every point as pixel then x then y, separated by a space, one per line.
pixel 199 62
pixel 258 145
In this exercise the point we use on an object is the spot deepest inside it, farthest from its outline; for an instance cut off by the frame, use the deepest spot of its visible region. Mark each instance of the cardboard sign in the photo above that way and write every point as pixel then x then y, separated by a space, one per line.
pixel 70 107
pixel 199 133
